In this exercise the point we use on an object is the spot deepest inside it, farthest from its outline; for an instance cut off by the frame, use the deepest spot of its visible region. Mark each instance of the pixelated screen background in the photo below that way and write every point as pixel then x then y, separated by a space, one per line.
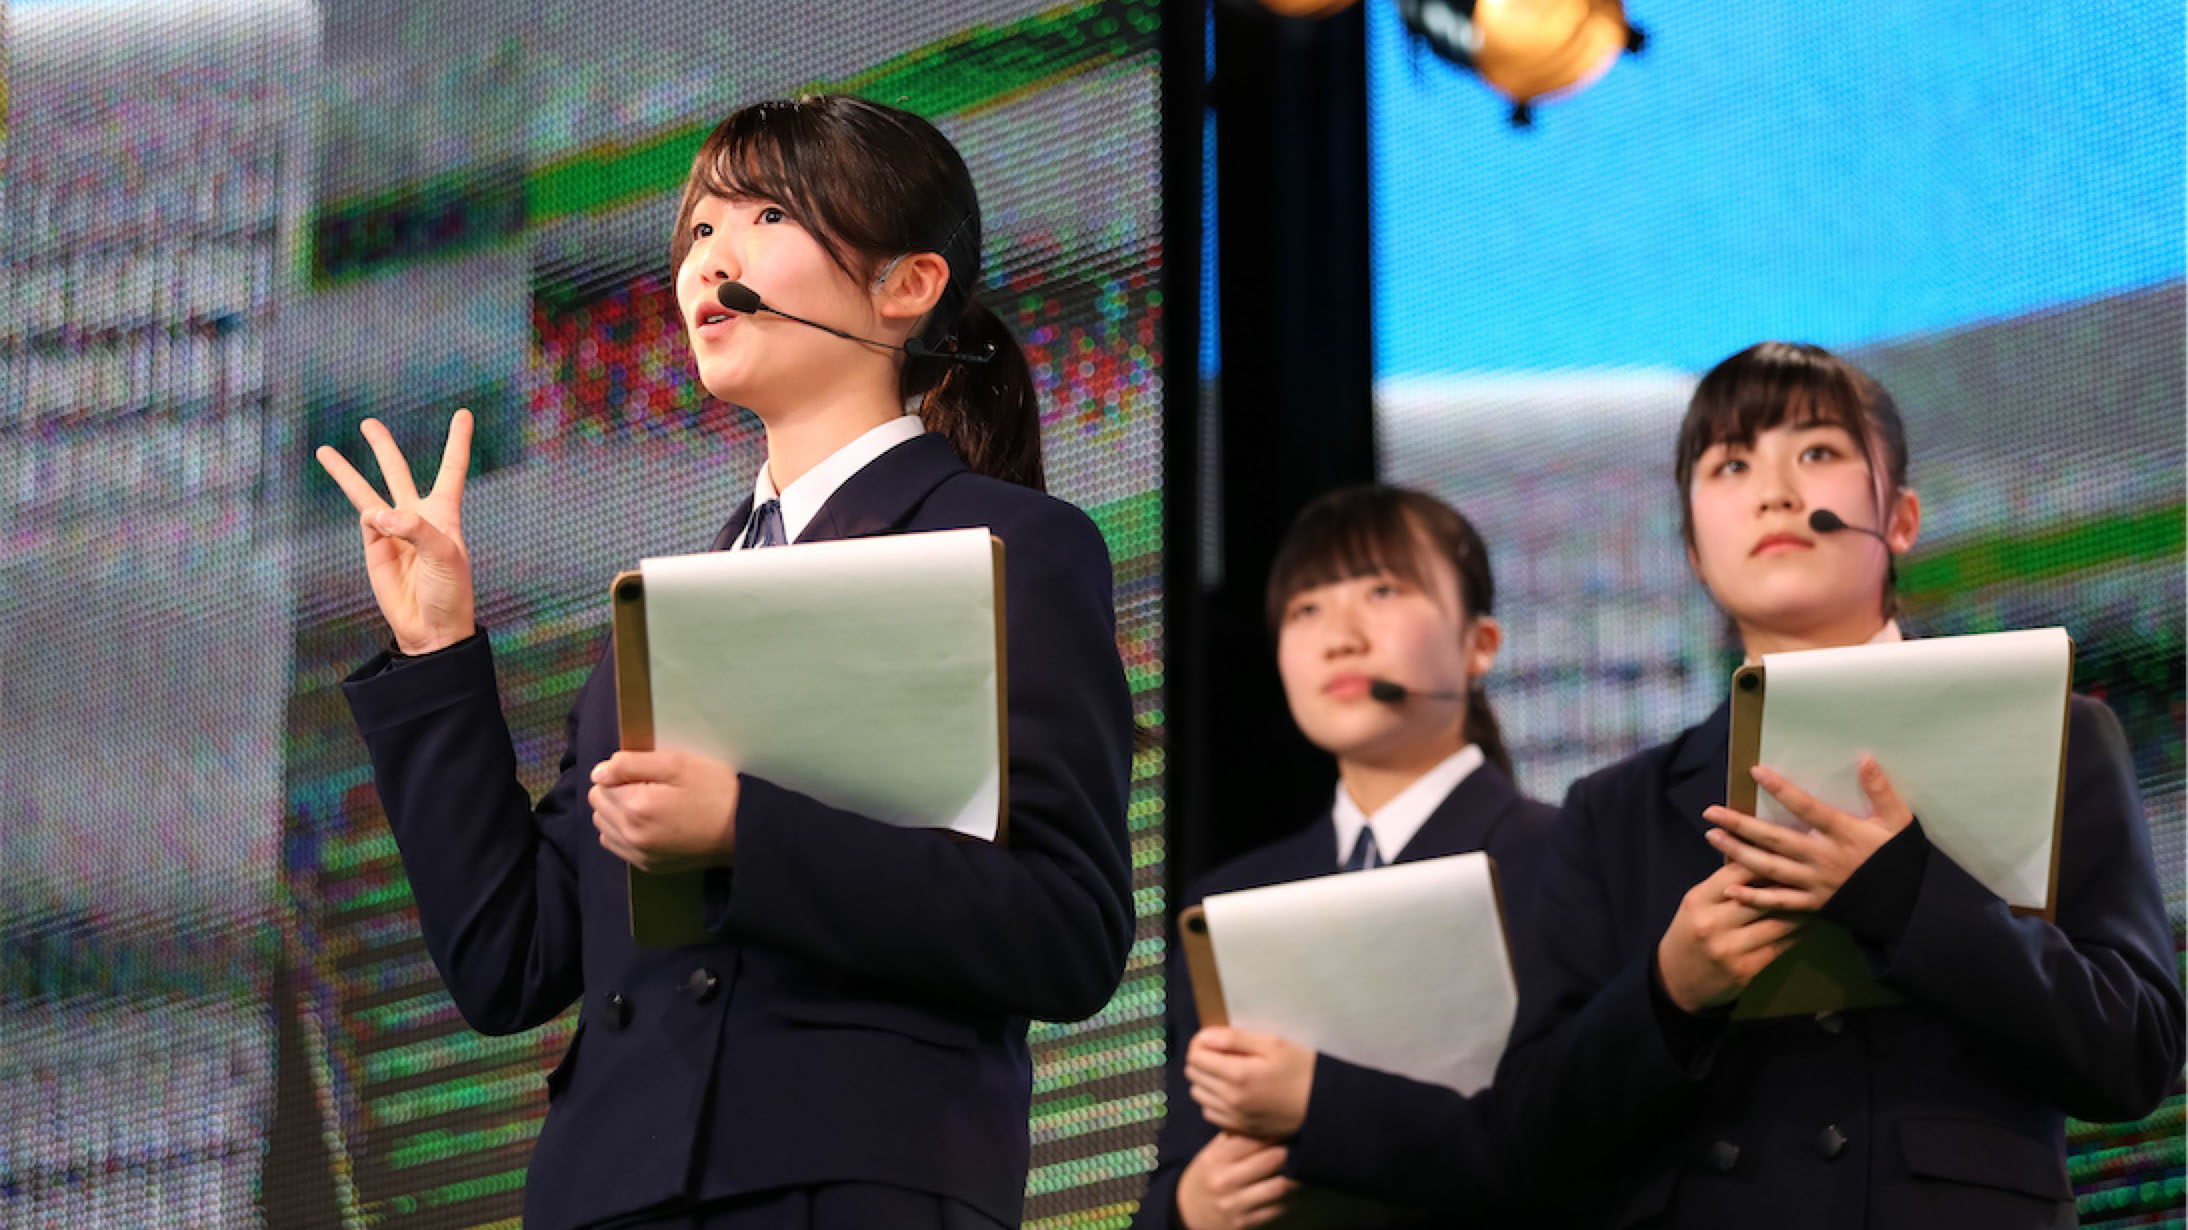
pixel 1981 204
pixel 233 229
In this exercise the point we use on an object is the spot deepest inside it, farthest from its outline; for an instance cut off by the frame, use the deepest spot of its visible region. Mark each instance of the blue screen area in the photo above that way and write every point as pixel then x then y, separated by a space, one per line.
pixel 1980 204
pixel 1840 173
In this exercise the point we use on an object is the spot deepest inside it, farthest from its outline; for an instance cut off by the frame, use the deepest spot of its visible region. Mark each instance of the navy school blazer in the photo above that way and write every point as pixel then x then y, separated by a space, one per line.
pixel 861 1015
pixel 1944 1111
pixel 1369 1133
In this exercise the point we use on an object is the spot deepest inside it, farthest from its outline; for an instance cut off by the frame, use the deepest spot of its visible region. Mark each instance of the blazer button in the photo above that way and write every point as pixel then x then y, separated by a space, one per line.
pixel 1831 1023
pixel 615 1009
pixel 1723 1156
pixel 1830 1142
pixel 700 985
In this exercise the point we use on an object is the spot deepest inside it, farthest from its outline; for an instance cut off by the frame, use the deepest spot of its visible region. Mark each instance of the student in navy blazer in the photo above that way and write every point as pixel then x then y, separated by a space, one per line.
pixel 1371 583
pixel 850 1049
pixel 1627 1081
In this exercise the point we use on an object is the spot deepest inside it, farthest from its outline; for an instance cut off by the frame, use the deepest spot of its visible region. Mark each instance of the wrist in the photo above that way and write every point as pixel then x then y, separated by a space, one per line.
pixel 1660 976
pixel 425 646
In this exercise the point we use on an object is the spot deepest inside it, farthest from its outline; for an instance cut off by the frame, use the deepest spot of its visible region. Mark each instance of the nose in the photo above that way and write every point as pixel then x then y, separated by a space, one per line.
pixel 1779 490
pixel 716 259
pixel 1343 632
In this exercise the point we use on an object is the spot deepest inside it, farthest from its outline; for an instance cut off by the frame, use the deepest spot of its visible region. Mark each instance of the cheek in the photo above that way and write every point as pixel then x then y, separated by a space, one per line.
pixel 1717 531
pixel 1293 659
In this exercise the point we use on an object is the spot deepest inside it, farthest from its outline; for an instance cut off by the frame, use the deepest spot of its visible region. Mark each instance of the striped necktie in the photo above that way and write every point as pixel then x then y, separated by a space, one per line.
pixel 1364 854
pixel 765 529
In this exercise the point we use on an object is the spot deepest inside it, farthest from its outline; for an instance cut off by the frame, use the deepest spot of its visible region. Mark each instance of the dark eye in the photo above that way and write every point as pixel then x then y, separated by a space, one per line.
pixel 1731 465
pixel 1819 452
pixel 700 230
pixel 1300 610
pixel 772 214
pixel 1383 589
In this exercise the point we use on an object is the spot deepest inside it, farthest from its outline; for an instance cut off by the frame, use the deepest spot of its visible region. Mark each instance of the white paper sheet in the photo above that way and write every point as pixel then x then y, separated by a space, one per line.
pixel 859 672
pixel 1969 728
pixel 1402 968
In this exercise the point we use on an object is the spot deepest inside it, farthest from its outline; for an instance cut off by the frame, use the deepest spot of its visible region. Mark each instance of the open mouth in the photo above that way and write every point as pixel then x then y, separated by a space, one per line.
pixel 712 316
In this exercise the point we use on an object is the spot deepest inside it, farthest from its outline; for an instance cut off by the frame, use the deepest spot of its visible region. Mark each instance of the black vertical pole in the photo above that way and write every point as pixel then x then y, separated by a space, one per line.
pixel 1294 405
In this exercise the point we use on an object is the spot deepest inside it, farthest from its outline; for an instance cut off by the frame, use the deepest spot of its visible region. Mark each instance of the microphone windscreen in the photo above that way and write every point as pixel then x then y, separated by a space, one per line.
pixel 1824 521
pixel 738 297
pixel 1387 692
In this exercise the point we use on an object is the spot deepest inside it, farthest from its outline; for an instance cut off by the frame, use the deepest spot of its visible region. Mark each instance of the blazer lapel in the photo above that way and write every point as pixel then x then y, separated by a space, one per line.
pixel 736 527
pixel 1465 818
pixel 875 500
pixel 883 496
pixel 1696 778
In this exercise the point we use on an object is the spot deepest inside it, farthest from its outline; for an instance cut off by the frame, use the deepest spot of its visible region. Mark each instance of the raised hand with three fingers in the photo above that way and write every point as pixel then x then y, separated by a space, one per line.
pixel 414 551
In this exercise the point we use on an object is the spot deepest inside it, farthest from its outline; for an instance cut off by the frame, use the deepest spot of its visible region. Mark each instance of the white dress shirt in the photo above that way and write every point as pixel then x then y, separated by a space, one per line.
pixel 1395 822
pixel 803 500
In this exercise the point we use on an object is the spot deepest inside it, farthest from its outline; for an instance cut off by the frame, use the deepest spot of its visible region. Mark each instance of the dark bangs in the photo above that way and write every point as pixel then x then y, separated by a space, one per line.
pixel 867 181
pixel 790 153
pixel 1353 532
pixel 1777 384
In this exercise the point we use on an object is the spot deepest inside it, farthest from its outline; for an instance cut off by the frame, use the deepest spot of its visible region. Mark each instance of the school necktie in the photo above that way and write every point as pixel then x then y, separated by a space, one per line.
pixel 765 529
pixel 1364 854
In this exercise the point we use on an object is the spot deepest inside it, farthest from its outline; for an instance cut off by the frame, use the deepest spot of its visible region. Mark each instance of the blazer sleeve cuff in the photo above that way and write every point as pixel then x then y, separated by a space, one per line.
pixel 1690 1038
pixel 385 692
pixel 1322 1152
pixel 1876 902
pixel 1395 1140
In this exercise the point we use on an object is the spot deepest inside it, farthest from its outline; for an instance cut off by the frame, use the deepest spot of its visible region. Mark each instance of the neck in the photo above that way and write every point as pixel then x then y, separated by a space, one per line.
pixel 798 440
pixel 1373 781
pixel 1828 634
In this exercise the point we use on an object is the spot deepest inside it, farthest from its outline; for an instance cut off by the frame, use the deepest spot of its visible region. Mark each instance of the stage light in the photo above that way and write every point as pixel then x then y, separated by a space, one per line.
pixel 1525 50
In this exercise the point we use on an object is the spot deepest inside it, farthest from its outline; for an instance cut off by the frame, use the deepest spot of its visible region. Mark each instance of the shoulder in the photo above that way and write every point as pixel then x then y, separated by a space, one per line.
pixel 1526 821
pixel 1644 770
pixel 2092 718
pixel 1303 855
pixel 1039 531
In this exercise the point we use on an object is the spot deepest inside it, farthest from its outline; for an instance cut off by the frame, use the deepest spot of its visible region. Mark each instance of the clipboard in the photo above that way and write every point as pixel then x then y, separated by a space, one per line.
pixel 1311 1208
pixel 668 909
pixel 1207 982
pixel 1825 970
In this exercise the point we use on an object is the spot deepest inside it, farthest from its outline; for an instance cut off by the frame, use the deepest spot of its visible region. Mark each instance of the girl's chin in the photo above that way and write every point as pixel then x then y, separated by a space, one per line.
pixel 1790 615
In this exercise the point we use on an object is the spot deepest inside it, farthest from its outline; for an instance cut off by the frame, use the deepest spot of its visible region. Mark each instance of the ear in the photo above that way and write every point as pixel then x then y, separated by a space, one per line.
pixel 1903 522
pixel 912 287
pixel 1482 644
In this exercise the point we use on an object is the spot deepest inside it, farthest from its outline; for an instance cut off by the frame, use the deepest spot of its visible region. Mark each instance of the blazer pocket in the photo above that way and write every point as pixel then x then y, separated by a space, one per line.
pixel 888 1016
pixel 1986 1154
pixel 559 1079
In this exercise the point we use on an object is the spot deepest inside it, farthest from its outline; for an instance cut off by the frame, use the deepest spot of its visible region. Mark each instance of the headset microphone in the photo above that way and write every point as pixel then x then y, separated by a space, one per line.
pixel 1397 693
pixel 1824 521
pixel 742 299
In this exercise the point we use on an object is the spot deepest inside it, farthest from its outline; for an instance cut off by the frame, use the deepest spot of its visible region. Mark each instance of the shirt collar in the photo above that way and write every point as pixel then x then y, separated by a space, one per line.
pixel 1395 822
pixel 804 498
pixel 1887 635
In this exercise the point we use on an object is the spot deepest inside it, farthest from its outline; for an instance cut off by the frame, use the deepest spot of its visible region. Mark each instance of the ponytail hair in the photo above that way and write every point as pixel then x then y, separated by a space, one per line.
pixel 871 183
pixel 988 411
pixel 1482 728
pixel 1367 529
